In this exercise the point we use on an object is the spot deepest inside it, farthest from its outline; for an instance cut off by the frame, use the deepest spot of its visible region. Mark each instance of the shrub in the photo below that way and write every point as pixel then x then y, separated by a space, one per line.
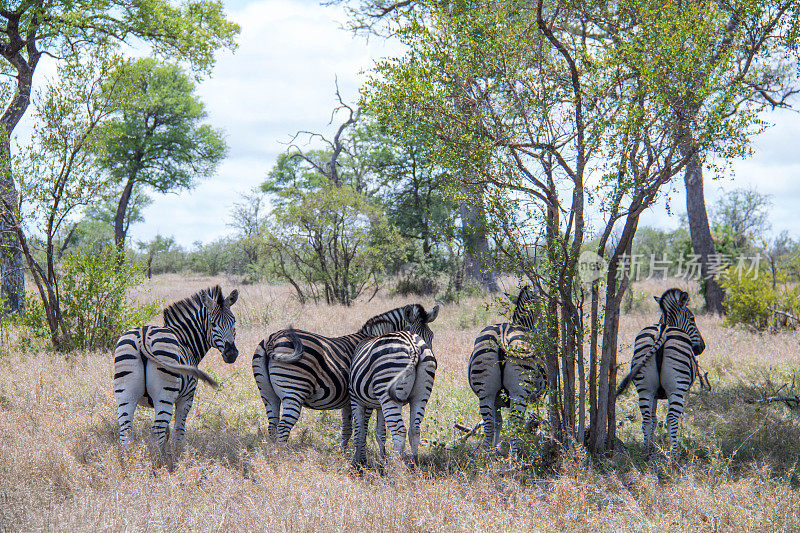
pixel 332 243
pixel 751 300
pixel 95 306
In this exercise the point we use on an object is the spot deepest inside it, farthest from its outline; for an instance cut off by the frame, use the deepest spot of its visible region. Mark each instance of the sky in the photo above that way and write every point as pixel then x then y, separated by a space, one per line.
pixel 281 79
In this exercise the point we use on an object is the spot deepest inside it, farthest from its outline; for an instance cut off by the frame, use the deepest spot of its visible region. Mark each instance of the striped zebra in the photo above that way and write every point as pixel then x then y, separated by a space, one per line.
pixel 664 365
pixel 295 369
pixel 503 372
pixel 157 366
pixel 389 372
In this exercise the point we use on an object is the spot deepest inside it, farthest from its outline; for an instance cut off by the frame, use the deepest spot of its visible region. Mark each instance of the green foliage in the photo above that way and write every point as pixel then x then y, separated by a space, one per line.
pixel 164 255
pixel 34 331
pixel 655 243
pixel 158 138
pixel 96 306
pixel 751 300
pixel 331 243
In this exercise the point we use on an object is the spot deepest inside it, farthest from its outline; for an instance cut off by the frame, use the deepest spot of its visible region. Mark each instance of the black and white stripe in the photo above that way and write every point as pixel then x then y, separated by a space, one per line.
pixel 387 373
pixel 295 369
pixel 664 365
pixel 503 371
pixel 157 366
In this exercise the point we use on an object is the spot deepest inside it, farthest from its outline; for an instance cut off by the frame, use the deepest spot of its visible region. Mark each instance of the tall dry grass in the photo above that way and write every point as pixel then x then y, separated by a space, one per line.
pixel 61 468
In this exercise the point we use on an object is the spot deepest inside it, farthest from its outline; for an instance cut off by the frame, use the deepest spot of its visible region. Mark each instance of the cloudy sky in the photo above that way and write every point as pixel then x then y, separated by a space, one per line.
pixel 281 80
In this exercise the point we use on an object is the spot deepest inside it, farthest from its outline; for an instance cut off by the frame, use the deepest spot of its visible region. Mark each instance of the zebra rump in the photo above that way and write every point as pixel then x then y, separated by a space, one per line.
pixel 388 372
pixel 503 371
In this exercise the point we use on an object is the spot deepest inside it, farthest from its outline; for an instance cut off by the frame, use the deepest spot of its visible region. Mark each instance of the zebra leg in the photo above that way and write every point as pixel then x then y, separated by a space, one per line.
pixel 272 402
pixel 290 412
pixel 163 387
pixel 415 417
pixel 182 408
pixel 674 413
pixel 517 416
pixel 129 386
pixel 393 416
pixel 380 433
pixel 347 425
pixel 361 416
pixel 648 407
pixel 488 414
pixel 127 393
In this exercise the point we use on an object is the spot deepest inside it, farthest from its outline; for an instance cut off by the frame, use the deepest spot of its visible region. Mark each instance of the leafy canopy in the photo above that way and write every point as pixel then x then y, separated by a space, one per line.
pixel 157 137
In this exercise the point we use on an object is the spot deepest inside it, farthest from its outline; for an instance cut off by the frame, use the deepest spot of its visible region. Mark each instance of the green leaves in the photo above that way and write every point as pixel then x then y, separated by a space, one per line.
pixel 156 138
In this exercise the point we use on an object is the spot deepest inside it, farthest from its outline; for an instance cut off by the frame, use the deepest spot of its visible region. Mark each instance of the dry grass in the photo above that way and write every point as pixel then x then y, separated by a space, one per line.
pixel 61 468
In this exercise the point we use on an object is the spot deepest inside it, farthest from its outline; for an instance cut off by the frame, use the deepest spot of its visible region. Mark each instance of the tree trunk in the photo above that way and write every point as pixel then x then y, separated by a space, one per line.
pixel 702 242
pixel 476 243
pixel 12 273
pixel 119 217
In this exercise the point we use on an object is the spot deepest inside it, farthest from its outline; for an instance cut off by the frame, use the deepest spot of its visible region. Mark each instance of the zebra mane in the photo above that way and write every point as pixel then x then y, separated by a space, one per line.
pixel 193 301
pixel 390 320
pixel 671 303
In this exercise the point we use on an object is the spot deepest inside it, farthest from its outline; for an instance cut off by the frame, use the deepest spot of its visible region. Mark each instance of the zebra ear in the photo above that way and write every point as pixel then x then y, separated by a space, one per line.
pixel 684 299
pixel 658 300
pixel 230 300
pixel 433 314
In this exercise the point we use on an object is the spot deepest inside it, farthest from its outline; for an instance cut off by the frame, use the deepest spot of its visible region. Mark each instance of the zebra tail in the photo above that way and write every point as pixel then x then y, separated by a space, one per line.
pixel 400 387
pixel 287 358
pixel 189 370
pixel 624 383
pixel 635 371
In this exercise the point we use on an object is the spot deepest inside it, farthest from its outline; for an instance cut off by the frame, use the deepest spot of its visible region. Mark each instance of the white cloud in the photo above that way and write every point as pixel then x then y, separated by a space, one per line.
pixel 773 169
pixel 280 80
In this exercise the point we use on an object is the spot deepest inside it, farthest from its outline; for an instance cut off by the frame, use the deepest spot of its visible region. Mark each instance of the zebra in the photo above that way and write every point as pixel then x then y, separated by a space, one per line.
pixel 503 379
pixel 675 341
pixel 157 366
pixel 295 369
pixel 387 373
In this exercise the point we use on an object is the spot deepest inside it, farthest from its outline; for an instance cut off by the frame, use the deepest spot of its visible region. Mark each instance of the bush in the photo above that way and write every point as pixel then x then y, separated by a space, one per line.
pixel 95 305
pixel 751 300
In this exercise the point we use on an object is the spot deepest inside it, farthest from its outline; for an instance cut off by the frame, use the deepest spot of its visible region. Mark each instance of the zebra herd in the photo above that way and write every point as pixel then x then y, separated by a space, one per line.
pixel 385 365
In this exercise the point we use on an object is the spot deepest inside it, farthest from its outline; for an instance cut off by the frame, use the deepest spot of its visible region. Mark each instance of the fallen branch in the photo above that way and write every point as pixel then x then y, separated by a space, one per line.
pixel 790 401
pixel 784 313
pixel 468 432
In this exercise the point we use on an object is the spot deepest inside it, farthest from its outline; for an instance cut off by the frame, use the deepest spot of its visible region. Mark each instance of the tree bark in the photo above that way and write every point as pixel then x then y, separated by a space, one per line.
pixel 476 243
pixel 120 229
pixel 702 242
pixel 12 273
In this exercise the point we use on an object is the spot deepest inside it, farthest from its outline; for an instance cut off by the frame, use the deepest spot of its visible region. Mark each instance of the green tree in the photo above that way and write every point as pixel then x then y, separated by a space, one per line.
pixel 331 243
pixel 157 140
pixel 192 32
pixel 556 93
pixel 57 170
pixel 749 56
pixel 743 214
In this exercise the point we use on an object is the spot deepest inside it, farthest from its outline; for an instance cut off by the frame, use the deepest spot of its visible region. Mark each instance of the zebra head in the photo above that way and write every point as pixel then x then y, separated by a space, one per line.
pixel 524 311
pixel 675 313
pixel 222 331
pixel 417 320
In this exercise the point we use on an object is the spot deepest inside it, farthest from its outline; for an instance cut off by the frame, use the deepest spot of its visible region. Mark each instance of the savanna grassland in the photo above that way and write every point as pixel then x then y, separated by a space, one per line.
pixel 61 467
